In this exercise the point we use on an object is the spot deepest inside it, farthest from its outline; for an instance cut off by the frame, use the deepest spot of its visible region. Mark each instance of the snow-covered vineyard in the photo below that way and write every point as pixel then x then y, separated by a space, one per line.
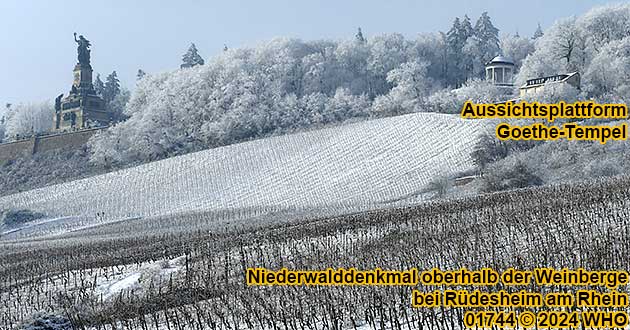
pixel 195 280
pixel 348 167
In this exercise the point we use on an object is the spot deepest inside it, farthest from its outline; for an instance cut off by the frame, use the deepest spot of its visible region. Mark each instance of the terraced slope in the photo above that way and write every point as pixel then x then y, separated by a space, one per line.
pixel 348 167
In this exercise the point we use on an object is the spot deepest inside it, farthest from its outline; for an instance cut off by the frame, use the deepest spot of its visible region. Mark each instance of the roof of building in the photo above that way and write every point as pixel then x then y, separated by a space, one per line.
pixel 549 79
pixel 500 59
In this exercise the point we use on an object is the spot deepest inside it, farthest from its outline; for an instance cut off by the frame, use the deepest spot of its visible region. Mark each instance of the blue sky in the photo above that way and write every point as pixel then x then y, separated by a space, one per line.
pixel 37 51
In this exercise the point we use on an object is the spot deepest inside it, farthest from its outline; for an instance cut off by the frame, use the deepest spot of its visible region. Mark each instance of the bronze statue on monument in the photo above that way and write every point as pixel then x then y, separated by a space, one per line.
pixel 83 50
pixel 82 108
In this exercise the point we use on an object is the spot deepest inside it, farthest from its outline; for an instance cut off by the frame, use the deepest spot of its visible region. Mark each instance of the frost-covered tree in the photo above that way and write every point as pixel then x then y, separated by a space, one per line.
pixel 359 36
pixel 192 57
pixel 469 48
pixel 604 24
pixel 592 45
pixel 538 33
pixel 112 87
pixel 517 48
pixel 284 85
pixel 487 150
pixel 344 105
pixel 456 39
pixel 99 86
pixel 140 74
pixel 467 62
pixel 351 59
pixel 558 51
pixel 510 175
pixel 482 46
pixel 432 49
pixel 387 53
pixel 568 43
pixel 2 124
pixel 24 120
pixel 117 106
pixel 440 185
pixel 486 31
pixel 411 87
pixel 476 90
pixel 278 86
pixel 609 70
pixel 467 29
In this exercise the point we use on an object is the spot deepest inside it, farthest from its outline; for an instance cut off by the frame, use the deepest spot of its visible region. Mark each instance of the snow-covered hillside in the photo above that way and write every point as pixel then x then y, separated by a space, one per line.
pixel 346 167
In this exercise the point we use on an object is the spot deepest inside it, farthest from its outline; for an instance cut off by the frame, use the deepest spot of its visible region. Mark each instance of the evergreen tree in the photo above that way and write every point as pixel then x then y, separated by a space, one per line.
pixel 140 74
pixel 453 35
pixel 99 86
pixel 359 36
pixel 117 106
pixel 112 87
pixel 485 44
pixel 487 33
pixel 192 57
pixel 454 53
pixel 467 30
pixel 538 33
pixel 456 39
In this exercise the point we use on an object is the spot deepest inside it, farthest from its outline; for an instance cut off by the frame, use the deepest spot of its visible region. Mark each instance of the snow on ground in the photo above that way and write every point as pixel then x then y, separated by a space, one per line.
pixel 133 278
pixel 32 224
pixel 125 284
pixel 58 226
pixel 357 164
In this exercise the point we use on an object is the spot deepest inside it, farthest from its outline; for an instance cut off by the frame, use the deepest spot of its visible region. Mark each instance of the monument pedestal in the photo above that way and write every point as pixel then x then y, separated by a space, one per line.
pixel 83 78
pixel 82 108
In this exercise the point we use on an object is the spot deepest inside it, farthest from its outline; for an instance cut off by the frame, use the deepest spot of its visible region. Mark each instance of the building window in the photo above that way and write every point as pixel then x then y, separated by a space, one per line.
pixel 498 75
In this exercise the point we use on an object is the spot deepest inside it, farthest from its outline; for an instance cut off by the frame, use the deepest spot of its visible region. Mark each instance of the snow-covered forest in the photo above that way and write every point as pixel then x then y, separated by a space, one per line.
pixel 23 120
pixel 276 87
pixel 288 84
pixel 284 85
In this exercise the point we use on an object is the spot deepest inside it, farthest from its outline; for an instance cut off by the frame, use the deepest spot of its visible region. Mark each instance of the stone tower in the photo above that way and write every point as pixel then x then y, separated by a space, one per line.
pixel 82 108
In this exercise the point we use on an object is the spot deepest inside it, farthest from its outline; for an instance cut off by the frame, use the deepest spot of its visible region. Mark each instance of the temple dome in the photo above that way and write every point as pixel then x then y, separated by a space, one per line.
pixel 500 59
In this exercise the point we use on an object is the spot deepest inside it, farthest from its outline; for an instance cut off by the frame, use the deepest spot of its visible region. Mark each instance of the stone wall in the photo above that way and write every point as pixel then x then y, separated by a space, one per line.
pixel 28 147
pixel 13 150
